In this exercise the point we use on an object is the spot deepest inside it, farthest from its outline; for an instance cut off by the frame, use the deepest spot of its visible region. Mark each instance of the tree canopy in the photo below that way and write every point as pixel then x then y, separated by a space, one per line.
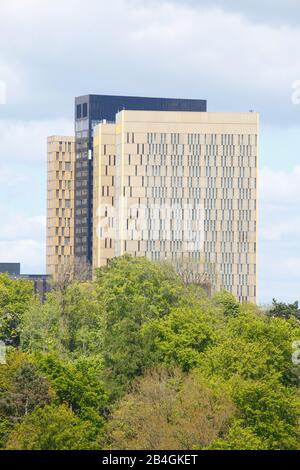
pixel 141 359
pixel 15 297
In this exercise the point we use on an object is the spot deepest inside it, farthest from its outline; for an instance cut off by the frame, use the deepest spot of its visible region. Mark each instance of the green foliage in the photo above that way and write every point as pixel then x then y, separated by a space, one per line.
pixel 5 429
pixel 253 347
pixel 41 327
pixel 270 410
pixel 228 302
pixel 82 319
pixel 28 390
pixel 79 384
pixel 15 296
pixel 132 291
pixel 254 357
pixel 22 388
pixel 170 410
pixel 52 428
pixel 240 438
pixel 180 337
pixel 145 361
pixel 283 310
pixel 69 323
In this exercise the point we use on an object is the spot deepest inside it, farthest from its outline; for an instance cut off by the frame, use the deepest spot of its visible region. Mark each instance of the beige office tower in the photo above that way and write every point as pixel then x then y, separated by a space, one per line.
pixel 104 216
pixel 60 204
pixel 182 187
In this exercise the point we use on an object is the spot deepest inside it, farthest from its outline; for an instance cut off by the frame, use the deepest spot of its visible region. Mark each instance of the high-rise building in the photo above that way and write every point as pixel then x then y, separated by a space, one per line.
pixel 89 111
pixel 12 269
pixel 180 186
pixel 60 204
pixel 171 182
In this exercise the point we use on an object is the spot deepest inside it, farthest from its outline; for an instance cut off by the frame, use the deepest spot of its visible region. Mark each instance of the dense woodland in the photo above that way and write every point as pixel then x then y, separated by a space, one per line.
pixel 137 359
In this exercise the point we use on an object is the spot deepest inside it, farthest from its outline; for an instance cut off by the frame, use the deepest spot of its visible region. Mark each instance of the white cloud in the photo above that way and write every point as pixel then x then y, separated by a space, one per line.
pixel 268 11
pixel 279 204
pixel 280 187
pixel 26 141
pixel 149 48
pixel 22 239
pixel 277 230
pixel 16 226
pixel 9 179
pixel 279 233
pixel 279 273
pixel 30 253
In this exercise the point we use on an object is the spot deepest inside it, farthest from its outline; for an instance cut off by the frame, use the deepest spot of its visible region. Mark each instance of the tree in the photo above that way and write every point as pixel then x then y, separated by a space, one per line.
pixel 15 296
pixel 181 336
pixel 270 410
pixel 28 390
pixel 194 273
pixel 52 428
pixel 252 346
pixel 5 429
pixel 169 410
pixel 146 361
pixel 83 320
pixel 132 291
pixel 75 270
pixel 254 357
pixel 228 303
pixel 72 330
pixel 239 438
pixel 22 388
pixel 79 384
pixel 285 311
pixel 41 327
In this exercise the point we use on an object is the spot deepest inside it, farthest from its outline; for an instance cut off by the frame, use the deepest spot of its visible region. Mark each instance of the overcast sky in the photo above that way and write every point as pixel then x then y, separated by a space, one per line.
pixel 238 55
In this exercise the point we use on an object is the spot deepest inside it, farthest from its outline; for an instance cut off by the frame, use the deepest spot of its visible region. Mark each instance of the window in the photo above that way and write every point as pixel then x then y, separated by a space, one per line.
pixel 84 110
pixel 78 111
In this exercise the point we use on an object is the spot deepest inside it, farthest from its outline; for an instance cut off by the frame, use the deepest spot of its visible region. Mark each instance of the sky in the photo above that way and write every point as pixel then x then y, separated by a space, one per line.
pixel 238 55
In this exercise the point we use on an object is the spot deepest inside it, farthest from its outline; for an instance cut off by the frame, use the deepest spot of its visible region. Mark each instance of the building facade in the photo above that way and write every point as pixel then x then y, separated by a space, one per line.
pixel 89 111
pixel 40 282
pixel 180 186
pixel 12 269
pixel 60 204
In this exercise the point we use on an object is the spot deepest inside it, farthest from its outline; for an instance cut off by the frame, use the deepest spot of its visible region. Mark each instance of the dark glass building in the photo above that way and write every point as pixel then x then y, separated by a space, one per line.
pixel 90 110
pixel 12 269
